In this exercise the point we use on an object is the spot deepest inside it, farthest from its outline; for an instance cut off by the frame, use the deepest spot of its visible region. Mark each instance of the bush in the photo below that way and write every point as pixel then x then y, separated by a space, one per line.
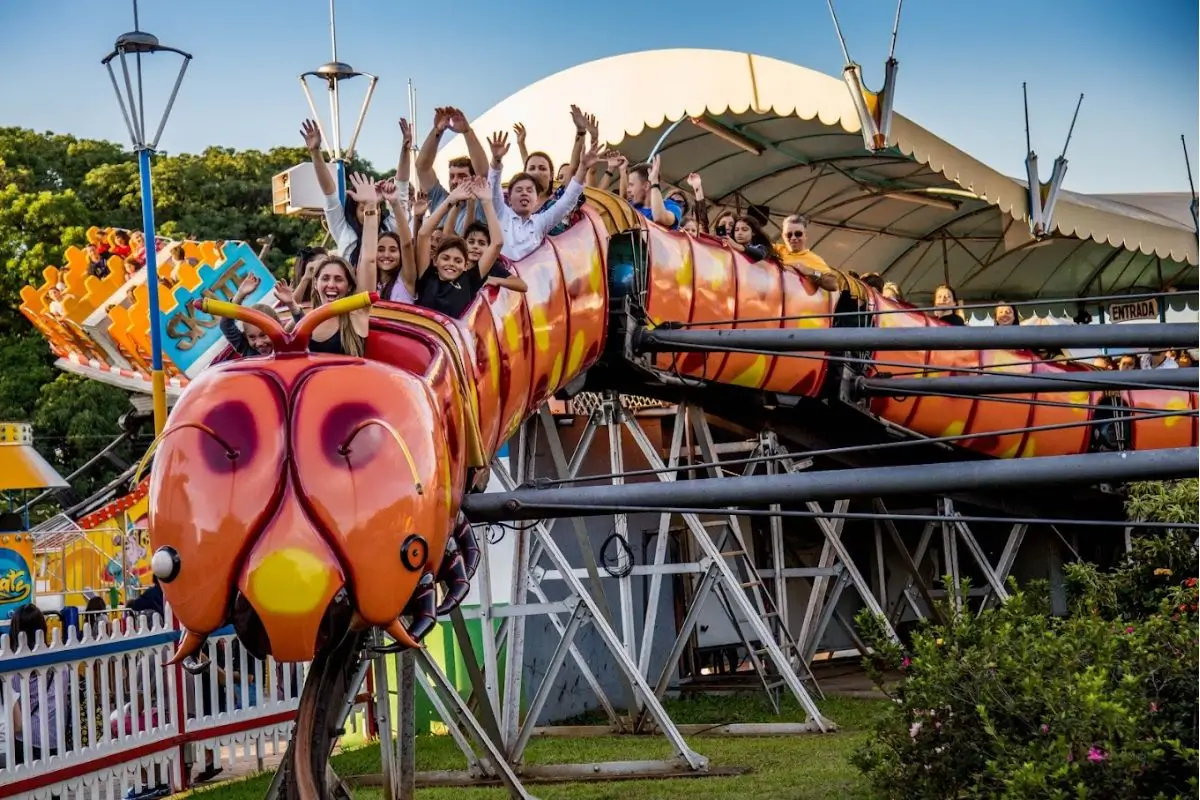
pixel 1017 703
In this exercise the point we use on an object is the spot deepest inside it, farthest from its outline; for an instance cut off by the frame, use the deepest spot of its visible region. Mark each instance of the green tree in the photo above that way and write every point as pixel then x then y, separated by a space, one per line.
pixel 53 187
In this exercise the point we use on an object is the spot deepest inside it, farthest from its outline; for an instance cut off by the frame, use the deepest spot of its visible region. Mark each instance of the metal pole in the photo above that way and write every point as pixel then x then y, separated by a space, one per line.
pixel 158 381
pixel 838 29
pixel 333 29
pixel 895 30
pixel 406 761
pixel 760 491
pixel 658 145
pixel 1025 384
pixel 1194 206
pixel 1011 337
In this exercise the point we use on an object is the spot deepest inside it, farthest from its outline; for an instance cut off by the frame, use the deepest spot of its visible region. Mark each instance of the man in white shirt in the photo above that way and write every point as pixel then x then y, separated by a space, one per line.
pixel 524 231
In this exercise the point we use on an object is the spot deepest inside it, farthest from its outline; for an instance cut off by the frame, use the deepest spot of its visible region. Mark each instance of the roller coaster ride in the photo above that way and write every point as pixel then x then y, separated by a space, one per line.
pixel 321 503
pixel 332 495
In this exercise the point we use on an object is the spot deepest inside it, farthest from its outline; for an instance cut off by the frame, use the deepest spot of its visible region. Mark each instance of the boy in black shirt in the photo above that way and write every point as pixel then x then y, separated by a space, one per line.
pixel 449 278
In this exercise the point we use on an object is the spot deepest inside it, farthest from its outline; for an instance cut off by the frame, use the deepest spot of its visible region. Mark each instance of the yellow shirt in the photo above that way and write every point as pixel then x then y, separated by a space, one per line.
pixel 804 258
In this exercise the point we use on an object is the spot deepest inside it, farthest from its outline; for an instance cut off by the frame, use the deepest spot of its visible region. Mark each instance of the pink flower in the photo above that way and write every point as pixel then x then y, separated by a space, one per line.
pixel 1129 629
pixel 1153 708
pixel 1045 728
pixel 914 730
pixel 1096 755
pixel 906 663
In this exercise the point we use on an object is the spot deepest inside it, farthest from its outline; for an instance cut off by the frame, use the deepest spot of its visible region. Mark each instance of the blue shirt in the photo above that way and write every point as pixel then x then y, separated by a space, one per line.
pixel 675 209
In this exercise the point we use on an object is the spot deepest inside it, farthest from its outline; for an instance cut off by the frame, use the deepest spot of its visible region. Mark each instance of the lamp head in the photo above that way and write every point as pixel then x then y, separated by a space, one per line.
pixel 336 71
pixel 137 42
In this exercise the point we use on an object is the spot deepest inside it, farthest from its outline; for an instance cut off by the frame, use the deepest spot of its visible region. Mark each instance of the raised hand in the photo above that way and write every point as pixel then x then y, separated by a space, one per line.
pixel 519 130
pixel 247 287
pixel 285 294
pixel 457 121
pixel 499 145
pixel 420 204
pixel 441 119
pixel 589 157
pixel 480 189
pixel 363 189
pixel 461 192
pixel 616 160
pixel 593 126
pixel 311 134
pixel 406 132
pixel 387 190
pixel 693 180
pixel 578 119
pixel 656 169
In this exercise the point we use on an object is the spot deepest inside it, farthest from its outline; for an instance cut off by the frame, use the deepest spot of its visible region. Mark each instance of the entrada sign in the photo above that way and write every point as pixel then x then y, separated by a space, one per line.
pixel 1128 312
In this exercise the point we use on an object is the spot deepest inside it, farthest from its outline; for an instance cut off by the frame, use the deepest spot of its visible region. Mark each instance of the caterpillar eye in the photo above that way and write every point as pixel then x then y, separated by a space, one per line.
pixel 414 553
pixel 165 564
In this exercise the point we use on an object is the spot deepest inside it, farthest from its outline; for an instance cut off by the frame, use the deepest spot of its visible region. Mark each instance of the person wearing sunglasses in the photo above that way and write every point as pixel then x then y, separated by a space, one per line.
pixel 794 252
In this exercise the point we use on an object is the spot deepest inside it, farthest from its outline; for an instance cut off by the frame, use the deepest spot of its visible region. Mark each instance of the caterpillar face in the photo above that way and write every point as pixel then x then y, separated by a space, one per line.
pixel 299 496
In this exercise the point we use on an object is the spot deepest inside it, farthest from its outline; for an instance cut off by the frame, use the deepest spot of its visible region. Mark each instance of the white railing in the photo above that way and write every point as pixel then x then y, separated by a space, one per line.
pixel 99 712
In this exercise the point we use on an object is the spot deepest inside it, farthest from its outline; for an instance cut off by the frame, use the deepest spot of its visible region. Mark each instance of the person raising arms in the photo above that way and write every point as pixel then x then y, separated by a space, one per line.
pixel 525 227
pixel 395 259
pixel 645 193
pixel 448 280
pixel 346 334
pixel 483 245
pixel 344 219
pixel 450 119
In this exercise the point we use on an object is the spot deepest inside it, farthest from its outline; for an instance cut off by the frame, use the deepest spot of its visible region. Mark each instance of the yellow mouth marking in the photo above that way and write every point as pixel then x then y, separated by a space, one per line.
pixel 289 581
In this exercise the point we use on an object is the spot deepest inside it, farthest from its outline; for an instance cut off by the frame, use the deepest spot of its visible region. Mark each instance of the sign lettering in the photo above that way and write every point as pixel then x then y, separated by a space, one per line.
pixel 190 333
pixel 16 583
pixel 1126 312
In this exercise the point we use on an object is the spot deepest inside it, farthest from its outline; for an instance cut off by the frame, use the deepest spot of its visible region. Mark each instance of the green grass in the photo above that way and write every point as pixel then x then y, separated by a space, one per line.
pixel 801 767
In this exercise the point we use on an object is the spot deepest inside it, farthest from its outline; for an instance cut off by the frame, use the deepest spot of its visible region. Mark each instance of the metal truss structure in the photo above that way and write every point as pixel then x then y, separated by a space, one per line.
pixel 786 606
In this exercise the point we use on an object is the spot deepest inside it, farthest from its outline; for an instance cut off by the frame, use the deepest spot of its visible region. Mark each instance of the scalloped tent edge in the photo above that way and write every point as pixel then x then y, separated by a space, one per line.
pixel 721 81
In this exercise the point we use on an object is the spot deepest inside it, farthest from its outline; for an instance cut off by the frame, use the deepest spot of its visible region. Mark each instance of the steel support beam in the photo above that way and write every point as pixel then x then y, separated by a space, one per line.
pixel 1026 384
pixel 940 337
pixel 835 484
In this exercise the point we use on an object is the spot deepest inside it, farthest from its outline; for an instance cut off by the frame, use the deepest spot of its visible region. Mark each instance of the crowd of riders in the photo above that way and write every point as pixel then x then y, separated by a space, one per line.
pixel 433 245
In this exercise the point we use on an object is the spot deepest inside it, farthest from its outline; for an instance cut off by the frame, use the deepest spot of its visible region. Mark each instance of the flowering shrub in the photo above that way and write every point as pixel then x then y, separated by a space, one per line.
pixel 1016 703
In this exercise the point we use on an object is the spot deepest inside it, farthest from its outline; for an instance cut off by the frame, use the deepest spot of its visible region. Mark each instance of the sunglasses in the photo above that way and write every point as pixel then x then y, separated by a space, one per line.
pixel 795 234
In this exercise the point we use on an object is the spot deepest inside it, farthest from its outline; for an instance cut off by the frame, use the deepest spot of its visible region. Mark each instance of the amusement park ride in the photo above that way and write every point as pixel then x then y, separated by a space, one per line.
pixel 328 506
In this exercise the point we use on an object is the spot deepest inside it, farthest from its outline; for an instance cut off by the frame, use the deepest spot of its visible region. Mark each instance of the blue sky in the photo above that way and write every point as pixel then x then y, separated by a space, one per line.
pixel 961 66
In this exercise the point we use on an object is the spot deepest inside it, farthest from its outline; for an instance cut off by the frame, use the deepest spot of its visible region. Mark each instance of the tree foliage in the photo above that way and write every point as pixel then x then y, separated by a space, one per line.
pixel 53 187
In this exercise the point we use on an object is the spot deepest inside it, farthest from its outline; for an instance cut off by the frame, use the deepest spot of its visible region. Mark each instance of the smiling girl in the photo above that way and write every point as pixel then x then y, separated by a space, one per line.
pixel 346 334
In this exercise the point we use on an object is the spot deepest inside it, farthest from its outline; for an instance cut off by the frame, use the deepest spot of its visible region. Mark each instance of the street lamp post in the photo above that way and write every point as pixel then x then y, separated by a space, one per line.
pixel 333 73
pixel 132 46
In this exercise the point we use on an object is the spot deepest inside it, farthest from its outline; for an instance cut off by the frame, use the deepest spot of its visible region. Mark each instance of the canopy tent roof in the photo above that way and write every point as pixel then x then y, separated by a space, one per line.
pixel 22 467
pixel 921 212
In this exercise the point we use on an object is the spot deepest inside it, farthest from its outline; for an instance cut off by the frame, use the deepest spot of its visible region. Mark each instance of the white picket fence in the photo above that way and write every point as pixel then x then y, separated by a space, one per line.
pixel 101 713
